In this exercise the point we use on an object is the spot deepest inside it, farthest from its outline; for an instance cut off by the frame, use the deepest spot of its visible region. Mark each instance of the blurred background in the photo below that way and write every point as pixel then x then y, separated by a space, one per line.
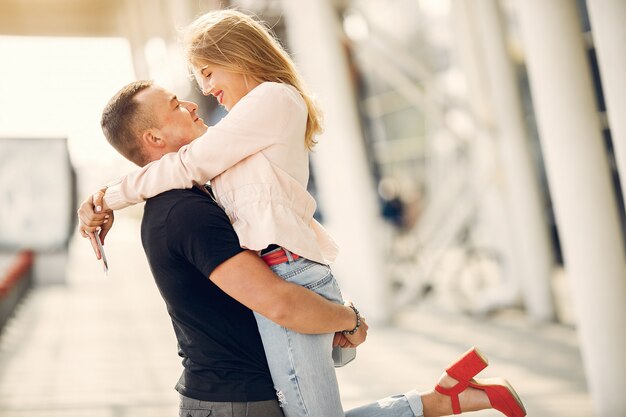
pixel 469 170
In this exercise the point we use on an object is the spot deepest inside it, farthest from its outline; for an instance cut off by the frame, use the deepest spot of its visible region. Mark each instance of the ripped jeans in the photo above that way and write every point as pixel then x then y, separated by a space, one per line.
pixel 301 365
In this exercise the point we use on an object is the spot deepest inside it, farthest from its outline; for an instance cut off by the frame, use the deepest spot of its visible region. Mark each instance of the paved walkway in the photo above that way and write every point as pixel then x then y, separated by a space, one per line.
pixel 104 347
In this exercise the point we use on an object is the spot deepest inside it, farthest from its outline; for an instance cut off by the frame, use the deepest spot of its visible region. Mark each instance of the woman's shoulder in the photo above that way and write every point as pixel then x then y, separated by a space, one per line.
pixel 284 88
pixel 279 93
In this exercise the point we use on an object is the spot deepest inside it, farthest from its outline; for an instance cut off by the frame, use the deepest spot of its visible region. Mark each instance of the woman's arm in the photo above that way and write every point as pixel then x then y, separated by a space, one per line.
pixel 255 123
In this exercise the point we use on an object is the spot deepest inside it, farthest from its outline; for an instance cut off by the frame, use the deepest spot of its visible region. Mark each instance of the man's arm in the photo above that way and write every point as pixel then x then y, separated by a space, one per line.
pixel 247 279
pixel 200 232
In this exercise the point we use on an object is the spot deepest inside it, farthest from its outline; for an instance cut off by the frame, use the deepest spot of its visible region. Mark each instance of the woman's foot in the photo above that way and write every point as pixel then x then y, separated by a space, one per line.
pixel 501 395
pixel 457 391
pixel 469 399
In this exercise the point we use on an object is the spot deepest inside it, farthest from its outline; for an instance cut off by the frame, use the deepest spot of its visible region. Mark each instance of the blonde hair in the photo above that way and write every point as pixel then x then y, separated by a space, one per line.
pixel 238 43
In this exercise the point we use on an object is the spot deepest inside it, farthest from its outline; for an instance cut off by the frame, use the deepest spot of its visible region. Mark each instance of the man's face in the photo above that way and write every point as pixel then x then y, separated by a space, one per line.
pixel 176 121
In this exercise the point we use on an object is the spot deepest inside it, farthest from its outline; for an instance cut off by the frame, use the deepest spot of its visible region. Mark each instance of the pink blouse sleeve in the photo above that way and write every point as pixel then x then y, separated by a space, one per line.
pixel 253 124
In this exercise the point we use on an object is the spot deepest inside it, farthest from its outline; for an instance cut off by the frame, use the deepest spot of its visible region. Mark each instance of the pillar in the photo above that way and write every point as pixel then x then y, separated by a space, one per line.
pixel 526 206
pixel 583 197
pixel 609 35
pixel 486 164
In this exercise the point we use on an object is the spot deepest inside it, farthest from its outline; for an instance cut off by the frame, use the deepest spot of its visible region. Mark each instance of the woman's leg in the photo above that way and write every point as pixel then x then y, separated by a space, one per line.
pixel 302 370
pixel 301 365
pixel 436 404
pixel 410 404
pixel 428 404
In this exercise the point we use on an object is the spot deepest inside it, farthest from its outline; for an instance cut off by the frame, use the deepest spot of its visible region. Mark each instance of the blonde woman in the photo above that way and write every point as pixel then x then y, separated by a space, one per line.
pixel 256 159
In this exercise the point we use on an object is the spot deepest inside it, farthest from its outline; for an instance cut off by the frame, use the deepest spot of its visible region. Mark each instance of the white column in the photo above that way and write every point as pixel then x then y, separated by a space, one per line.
pixel 609 35
pixel 346 192
pixel 581 188
pixel 489 189
pixel 527 212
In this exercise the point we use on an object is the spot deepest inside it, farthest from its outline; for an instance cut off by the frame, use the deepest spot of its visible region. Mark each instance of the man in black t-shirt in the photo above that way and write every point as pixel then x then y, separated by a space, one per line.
pixel 187 238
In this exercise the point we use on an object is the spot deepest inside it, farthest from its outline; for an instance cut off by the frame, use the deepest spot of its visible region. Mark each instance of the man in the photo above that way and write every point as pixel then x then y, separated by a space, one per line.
pixel 187 238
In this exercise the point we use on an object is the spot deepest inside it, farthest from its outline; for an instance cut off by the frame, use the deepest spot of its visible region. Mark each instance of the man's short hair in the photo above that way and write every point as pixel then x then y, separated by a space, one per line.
pixel 123 122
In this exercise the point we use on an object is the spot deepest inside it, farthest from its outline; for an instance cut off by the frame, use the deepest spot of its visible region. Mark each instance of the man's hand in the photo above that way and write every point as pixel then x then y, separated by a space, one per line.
pixel 341 340
pixel 358 337
pixel 92 218
pixel 352 340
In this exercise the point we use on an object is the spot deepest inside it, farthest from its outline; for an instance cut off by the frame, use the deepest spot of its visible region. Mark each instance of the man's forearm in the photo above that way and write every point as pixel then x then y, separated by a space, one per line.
pixel 247 279
pixel 304 311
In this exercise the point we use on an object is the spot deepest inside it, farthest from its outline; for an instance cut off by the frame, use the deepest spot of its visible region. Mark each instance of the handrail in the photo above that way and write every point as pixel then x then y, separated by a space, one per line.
pixel 14 282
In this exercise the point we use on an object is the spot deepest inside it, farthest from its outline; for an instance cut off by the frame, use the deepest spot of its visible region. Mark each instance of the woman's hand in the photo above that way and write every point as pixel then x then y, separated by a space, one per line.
pixel 95 217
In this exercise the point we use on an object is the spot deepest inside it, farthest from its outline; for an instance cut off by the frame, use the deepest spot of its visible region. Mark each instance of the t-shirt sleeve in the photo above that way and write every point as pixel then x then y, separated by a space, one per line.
pixel 254 123
pixel 200 232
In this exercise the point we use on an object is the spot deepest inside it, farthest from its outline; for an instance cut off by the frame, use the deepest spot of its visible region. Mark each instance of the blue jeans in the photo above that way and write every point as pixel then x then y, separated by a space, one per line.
pixel 301 365
pixel 403 405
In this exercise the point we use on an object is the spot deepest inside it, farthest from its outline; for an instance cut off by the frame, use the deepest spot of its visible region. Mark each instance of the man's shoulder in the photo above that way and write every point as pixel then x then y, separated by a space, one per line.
pixel 181 205
pixel 180 199
pixel 187 225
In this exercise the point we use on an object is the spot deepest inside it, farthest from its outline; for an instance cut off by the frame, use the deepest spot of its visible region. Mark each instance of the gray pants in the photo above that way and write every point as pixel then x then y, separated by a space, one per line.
pixel 404 405
pixel 195 408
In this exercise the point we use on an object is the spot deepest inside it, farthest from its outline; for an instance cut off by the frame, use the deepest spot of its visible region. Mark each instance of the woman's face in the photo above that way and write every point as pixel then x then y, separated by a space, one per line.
pixel 226 86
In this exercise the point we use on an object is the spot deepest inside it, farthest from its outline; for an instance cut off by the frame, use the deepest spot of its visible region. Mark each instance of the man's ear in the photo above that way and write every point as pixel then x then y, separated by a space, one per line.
pixel 151 139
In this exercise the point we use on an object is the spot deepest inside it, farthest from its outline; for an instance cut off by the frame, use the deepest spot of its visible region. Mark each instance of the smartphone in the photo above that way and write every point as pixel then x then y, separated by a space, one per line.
pixel 343 356
pixel 102 254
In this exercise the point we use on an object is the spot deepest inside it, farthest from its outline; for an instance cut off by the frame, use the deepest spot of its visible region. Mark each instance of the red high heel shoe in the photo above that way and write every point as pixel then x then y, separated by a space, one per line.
pixel 463 370
pixel 500 393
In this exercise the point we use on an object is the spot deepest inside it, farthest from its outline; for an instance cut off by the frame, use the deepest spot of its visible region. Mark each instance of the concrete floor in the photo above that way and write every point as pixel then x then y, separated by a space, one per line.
pixel 104 347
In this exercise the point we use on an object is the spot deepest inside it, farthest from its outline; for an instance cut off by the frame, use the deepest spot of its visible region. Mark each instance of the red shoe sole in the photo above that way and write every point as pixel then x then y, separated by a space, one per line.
pixel 501 395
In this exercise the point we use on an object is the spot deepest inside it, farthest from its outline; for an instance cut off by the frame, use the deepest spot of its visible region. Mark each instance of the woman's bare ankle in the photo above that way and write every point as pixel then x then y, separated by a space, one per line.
pixel 470 399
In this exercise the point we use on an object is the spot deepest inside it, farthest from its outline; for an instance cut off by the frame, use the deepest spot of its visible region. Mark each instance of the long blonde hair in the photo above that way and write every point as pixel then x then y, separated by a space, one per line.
pixel 238 43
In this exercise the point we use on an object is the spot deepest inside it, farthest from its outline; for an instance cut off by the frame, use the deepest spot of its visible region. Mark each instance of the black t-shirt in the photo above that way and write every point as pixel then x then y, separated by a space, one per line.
pixel 186 235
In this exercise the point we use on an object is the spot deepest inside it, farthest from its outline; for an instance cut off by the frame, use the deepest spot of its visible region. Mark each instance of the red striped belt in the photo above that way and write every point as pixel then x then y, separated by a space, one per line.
pixel 277 257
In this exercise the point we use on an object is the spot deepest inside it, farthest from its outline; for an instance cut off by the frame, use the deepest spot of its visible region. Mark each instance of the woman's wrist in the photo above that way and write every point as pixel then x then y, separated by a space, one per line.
pixel 102 198
pixel 357 319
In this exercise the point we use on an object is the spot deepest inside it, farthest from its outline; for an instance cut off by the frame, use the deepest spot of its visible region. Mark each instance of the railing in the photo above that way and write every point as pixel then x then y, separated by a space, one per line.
pixel 15 280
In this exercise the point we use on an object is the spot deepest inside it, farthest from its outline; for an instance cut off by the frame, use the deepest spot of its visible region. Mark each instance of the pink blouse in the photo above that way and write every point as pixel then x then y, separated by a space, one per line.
pixel 257 162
